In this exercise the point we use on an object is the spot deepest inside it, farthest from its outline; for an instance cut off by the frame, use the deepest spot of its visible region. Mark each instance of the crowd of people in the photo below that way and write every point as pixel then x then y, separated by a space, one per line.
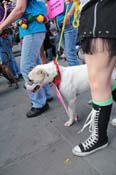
pixel 97 41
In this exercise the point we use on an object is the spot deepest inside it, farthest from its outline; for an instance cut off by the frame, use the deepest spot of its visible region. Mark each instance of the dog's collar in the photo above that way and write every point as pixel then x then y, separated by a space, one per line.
pixel 57 79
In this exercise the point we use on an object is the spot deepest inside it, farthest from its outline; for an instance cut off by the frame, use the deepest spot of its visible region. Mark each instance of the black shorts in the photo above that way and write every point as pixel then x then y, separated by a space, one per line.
pixel 98 20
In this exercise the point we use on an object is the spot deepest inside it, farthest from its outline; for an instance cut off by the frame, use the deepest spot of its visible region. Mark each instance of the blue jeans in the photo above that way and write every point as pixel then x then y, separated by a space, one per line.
pixel 14 66
pixel 29 59
pixel 69 45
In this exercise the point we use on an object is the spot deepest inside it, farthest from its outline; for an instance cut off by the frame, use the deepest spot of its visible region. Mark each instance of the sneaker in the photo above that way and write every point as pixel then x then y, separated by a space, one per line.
pixel 88 147
pixel 50 99
pixel 90 102
pixel 63 55
pixel 113 122
pixel 34 112
pixel 20 77
pixel 97 121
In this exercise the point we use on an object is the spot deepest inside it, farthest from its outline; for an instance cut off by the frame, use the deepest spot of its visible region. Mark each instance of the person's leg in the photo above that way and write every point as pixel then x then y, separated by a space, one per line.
pixel 46 88
pixel 50 54
pixel 30 51
pixel 16 65
pixel 113 92
pixel 15 68
pixel 70 39
pixel 12 69
pixel 100 68
pixel 48 92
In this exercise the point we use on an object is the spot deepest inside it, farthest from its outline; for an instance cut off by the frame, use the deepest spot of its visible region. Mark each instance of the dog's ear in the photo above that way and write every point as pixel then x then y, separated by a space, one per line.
pixel 41 75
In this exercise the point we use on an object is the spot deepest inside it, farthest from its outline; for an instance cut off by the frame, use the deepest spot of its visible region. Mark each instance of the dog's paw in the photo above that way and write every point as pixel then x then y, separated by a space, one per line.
pixel 77 118
pixel 17 86
pixel 68 123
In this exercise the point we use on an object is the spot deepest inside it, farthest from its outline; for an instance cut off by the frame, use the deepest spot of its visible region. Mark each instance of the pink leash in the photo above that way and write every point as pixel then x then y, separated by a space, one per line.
pixel 61 99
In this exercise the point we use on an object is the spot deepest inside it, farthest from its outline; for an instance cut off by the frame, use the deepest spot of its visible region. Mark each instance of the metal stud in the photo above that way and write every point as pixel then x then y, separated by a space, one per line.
pixel 107 31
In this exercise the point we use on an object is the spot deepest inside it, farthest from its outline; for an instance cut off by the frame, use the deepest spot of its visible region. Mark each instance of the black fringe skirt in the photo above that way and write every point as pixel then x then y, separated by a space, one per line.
pixel 98 20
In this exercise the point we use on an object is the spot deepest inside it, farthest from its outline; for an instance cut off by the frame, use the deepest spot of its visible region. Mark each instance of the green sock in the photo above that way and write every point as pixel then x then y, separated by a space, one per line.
pixel 114 85
pixel 104 103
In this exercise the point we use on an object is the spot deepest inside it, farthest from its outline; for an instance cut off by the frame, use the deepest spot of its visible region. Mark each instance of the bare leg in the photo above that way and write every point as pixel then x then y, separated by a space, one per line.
pixel 100 68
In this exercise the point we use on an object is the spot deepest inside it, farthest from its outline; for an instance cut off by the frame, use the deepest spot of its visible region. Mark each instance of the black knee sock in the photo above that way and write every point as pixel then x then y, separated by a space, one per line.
pixel 114 91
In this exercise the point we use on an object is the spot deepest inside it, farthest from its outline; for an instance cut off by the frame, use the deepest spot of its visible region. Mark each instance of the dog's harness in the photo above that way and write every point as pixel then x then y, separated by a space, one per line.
pixel 57 79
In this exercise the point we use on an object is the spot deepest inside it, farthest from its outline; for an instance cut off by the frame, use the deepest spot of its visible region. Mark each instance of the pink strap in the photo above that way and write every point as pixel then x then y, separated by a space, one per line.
pixel 61 99
pixel 57 79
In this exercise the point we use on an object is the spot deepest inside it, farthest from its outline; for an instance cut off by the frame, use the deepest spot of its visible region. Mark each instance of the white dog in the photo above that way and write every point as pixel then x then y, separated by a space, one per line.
pixel 74 80
pixel 71 81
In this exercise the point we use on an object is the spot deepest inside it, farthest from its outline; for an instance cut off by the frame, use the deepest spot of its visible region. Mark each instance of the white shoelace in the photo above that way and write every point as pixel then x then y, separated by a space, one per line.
pixel 90 141
pixel 91 121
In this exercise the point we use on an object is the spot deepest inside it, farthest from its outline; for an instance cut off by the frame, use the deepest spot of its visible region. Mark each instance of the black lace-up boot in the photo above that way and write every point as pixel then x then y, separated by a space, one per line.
pixel 98 122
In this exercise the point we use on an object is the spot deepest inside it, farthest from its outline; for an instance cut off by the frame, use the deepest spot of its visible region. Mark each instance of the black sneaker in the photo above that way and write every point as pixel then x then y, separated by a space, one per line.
pixel 97 121
pixel 34 112
pixel 20 77
pixel 88 147
pixel 50 99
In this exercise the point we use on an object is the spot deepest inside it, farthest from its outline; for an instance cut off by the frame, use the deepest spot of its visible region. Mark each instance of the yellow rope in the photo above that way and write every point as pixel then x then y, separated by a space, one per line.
pixel 75 22
pixel 61 35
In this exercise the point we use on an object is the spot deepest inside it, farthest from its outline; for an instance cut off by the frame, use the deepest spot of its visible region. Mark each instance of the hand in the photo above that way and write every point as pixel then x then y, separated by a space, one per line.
pixel 68 1
pixel 5 4
pixel 67 19
pixel 1 29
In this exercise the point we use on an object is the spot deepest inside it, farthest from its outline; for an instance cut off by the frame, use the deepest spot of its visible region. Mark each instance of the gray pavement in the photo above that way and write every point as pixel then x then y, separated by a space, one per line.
pixel 42 145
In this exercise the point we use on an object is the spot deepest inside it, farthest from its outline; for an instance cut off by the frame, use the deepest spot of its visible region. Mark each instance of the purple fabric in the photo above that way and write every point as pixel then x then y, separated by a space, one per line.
pixel 1 13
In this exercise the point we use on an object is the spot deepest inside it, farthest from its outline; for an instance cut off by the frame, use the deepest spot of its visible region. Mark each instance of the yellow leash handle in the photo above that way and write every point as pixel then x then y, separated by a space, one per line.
pixel 62 31
pixel 75 22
